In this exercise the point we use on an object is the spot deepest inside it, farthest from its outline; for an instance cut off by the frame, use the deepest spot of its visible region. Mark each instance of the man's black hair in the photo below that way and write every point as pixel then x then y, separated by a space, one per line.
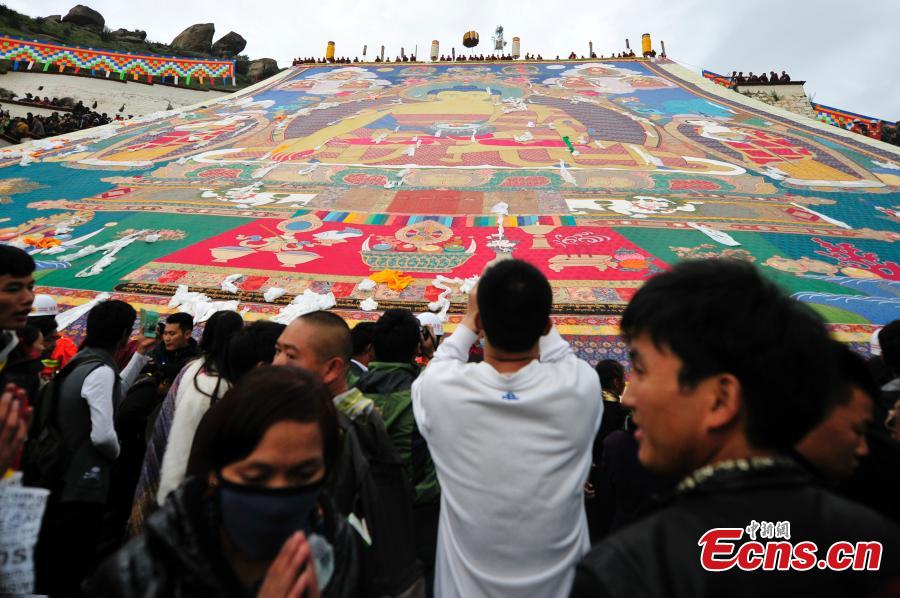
pixel 15 262
pixel 396 336
pixel 250 346
pixel 853 371
pixel 362 335
pixel 722 316
pixel 28 335
pixel 108 324
pixel 334 340
pixel 889 340
pixel 46 324
pixel 185 321
pixel 609 371
pixel 514 301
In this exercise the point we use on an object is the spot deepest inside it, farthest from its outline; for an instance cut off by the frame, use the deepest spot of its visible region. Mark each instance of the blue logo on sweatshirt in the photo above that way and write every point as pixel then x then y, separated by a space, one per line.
pixel 509 397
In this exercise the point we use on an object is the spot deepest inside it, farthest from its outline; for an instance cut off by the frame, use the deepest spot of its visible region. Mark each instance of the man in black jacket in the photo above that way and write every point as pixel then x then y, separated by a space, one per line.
pixel 91 388
pixel 178 346
pixel 368 479
pixel 16 297
pixel 729 374
pixel 851 450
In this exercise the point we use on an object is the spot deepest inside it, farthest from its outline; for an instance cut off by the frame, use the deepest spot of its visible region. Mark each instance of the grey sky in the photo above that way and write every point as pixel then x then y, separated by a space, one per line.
pixel 847 58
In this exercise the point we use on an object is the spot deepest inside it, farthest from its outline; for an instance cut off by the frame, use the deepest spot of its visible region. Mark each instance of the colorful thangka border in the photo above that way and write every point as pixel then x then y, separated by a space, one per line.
pixel 44 56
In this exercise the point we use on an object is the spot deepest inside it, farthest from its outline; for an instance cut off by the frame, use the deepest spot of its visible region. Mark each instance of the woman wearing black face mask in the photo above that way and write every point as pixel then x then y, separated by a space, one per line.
pixel 257 524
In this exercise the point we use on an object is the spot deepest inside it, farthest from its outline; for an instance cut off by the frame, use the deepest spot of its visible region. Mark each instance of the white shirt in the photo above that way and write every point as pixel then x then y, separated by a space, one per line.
pixel 97 390
pixel 512 453
pixel 192 400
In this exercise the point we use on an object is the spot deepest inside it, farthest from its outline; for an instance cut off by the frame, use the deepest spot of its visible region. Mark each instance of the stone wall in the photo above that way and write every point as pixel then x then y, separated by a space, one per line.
pixel 789 97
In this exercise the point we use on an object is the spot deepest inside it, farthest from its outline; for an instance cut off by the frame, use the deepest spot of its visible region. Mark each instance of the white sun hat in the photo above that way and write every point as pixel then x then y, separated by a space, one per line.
pixel 44 305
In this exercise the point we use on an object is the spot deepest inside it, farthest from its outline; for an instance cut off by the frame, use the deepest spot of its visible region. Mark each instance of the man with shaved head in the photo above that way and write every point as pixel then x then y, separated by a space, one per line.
pixel 321 343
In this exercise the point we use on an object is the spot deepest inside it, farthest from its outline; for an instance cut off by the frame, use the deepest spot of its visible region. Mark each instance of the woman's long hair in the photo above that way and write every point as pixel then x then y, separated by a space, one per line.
pixel 214 346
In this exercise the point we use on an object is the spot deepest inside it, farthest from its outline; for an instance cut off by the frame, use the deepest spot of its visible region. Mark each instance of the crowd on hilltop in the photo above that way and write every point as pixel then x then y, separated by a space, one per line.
pixel 457 58
pixel 889 133
pixel 773 78
pixel 876 129
pixel 337 60
pixel 395 458
pixel 476 57
pixel 76 117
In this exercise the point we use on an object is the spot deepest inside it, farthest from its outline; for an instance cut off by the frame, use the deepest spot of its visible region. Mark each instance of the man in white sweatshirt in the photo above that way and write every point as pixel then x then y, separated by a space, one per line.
pixel 511 441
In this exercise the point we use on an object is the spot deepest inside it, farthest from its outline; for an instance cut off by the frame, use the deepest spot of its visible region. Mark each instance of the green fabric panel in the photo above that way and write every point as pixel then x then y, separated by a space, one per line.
pixel 661 243
pixel 196 227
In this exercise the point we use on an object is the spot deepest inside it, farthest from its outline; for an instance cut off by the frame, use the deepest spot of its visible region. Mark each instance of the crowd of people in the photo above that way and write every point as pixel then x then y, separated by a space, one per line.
pixel 476 58
pixel 393 459
pixel 773 78
pixel 47 102
pixel 76 117
pixel 336 60
pixel 457 58
pixel 890 133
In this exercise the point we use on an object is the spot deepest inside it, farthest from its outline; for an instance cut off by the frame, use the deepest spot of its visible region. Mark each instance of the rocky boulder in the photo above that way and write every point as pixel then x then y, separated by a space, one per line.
pixel 53 18
pixel 197 38
pixel 85 16
pixel 230 44
pixel 262 68
pixel 126 35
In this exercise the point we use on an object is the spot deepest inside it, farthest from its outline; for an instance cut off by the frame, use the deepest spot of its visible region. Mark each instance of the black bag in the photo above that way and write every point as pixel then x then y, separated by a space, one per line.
pixel 383 501
pixel 45 458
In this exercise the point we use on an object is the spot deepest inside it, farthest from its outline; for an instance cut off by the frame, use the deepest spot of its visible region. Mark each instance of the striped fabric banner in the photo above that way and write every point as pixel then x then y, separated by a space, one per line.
pixel 450 221
pixel 32 51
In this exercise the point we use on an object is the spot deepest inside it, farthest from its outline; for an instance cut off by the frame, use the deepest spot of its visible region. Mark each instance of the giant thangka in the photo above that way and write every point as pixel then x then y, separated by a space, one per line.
pixel 600 173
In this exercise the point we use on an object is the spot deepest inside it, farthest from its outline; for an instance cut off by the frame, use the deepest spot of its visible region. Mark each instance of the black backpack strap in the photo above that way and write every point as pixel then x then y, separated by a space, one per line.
pixel 50 403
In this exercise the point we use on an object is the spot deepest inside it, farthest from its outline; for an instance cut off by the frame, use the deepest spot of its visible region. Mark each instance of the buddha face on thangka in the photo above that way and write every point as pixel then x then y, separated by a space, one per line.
pixel 606 80
pixel 336 81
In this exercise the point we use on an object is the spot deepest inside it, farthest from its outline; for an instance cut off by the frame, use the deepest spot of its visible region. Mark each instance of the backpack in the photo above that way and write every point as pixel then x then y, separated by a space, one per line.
pixel 382 500
pixel 45 458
